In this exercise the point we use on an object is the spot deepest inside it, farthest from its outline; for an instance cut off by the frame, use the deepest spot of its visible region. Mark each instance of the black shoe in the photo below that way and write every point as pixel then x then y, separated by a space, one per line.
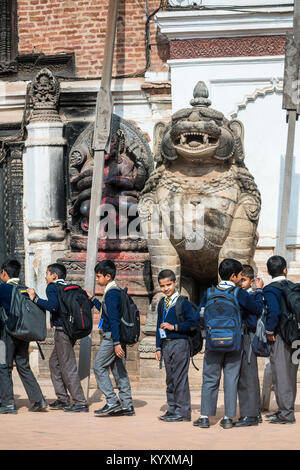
pixel 77 408
pixel 272 415
pixel 108 410
pixel 175 419
pixel 124 412
pixel 278 420
pixel 226 423
pixel 201 423
pixel 246 421
pixel 8 410
pixel 166 415
pixel 39 406
pixel 58 405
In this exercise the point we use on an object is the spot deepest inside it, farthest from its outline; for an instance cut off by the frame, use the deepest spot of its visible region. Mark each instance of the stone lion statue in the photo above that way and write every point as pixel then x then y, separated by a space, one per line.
pixel 201 204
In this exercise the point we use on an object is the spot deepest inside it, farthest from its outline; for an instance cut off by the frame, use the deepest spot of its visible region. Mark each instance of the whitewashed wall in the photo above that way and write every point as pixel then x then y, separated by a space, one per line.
pixel 250 89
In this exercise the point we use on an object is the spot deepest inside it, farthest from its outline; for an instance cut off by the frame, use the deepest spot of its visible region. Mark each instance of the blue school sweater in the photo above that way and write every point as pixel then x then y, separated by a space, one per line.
pixel 250 319
pixel 273 300
pixel 6 293
pixel 52 302
pixel 111 314
pixel 181 329
pixel 249 304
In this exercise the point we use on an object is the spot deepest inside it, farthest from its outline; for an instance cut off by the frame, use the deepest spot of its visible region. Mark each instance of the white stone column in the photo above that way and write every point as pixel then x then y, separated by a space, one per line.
pixel 44 182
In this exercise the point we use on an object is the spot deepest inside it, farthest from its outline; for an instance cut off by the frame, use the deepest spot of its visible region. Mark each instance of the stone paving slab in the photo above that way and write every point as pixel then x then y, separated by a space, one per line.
pixel 57 430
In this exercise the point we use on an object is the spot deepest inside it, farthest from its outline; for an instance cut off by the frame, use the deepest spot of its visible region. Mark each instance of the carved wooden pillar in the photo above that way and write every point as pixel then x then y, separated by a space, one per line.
pixel 44 187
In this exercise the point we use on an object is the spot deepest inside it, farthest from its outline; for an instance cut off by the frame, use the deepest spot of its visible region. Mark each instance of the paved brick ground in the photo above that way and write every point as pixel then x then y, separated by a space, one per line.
pixel 57 430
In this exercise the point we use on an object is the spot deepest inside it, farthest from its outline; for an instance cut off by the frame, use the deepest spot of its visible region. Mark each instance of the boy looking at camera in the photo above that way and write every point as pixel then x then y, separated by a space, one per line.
pixel 173 345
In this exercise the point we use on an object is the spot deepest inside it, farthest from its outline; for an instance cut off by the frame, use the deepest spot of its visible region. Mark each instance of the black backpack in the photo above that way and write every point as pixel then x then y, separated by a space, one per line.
pixel 289 324
pixel 26 321
pixel 195 335
pixel 260 346
pixel 75 311
pixel 129 320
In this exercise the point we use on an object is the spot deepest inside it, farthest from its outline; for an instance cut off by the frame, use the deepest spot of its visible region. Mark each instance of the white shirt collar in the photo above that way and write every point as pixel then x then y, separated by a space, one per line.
pixel 173 296
pixel 278 278
pixel 60 280
pixel 225 284
pixel 110 285
pixel 13 280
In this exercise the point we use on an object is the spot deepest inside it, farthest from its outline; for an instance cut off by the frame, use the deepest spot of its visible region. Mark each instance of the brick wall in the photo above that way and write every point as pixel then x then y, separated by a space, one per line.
pixel 57 26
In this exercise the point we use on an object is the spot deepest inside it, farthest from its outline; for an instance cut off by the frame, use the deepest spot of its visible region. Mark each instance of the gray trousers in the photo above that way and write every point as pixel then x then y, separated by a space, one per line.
pixel 63 370
pixel 284 377
pixel 107 360
pixel 176 355
pixel 214 363
pixel 248 384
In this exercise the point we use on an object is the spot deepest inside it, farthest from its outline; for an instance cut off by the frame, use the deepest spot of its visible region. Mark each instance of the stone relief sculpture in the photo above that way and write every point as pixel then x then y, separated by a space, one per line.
pixel 126 169
pixel 201 204
pixel 44 93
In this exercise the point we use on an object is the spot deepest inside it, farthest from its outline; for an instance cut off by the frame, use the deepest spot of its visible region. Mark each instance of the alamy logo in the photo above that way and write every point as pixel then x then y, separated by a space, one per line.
pixel 183 223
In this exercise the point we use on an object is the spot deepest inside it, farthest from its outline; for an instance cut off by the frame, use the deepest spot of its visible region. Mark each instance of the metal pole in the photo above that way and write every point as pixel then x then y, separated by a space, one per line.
pixel 291 91
pixel 104 110
pixel 287 183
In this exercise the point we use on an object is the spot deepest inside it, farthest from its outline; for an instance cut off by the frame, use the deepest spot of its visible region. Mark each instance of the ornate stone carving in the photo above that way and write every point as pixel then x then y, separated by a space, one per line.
pixel 11 207
pixel 44 93
pixel 126 168
pixel 201 165
pixel 228 47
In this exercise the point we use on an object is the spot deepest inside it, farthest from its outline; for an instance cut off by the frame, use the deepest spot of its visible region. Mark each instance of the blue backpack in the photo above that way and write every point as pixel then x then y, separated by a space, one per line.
pixel 222 319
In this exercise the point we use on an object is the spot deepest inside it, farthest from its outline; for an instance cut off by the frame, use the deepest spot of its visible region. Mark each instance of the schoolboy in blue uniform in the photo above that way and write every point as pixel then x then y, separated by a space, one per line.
pixel 16 350
pixel 111 354
pixel 248 384
pixel 62 362
pixel 172 343
pixel 284 371
pixel 230 271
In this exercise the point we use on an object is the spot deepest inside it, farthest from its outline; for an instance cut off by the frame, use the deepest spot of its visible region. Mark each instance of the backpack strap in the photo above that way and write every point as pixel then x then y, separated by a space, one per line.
pixel 179 308
pixel 160 308
pixel 210 292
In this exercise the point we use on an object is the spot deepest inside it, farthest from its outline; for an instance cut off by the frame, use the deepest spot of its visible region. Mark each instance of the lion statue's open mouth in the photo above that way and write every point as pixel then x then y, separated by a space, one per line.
pixel 196 144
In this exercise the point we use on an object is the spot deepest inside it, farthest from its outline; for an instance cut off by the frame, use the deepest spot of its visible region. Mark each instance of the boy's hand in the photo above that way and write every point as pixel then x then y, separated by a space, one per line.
pixel 89 294
pixel 271 338
pixel 31 293
pixel 167 326
pixel 119 351
pixel 259 283
pixel 158 355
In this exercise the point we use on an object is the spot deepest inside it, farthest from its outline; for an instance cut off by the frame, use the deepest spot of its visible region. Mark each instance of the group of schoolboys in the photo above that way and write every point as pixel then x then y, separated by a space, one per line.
pixel 239 368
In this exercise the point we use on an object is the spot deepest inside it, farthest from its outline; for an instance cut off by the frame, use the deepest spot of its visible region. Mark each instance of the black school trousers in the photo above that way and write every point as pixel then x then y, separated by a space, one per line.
pixel 17 350
pixel 248 384
pixel 176 356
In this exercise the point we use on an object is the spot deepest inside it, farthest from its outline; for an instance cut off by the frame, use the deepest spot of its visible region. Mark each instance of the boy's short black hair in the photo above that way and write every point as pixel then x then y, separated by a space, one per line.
pixel 166 274
pixel 59 269
pixel 276 264
pixel 228 267
pixel 248 271
pixel 106 267
pixel 12 267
